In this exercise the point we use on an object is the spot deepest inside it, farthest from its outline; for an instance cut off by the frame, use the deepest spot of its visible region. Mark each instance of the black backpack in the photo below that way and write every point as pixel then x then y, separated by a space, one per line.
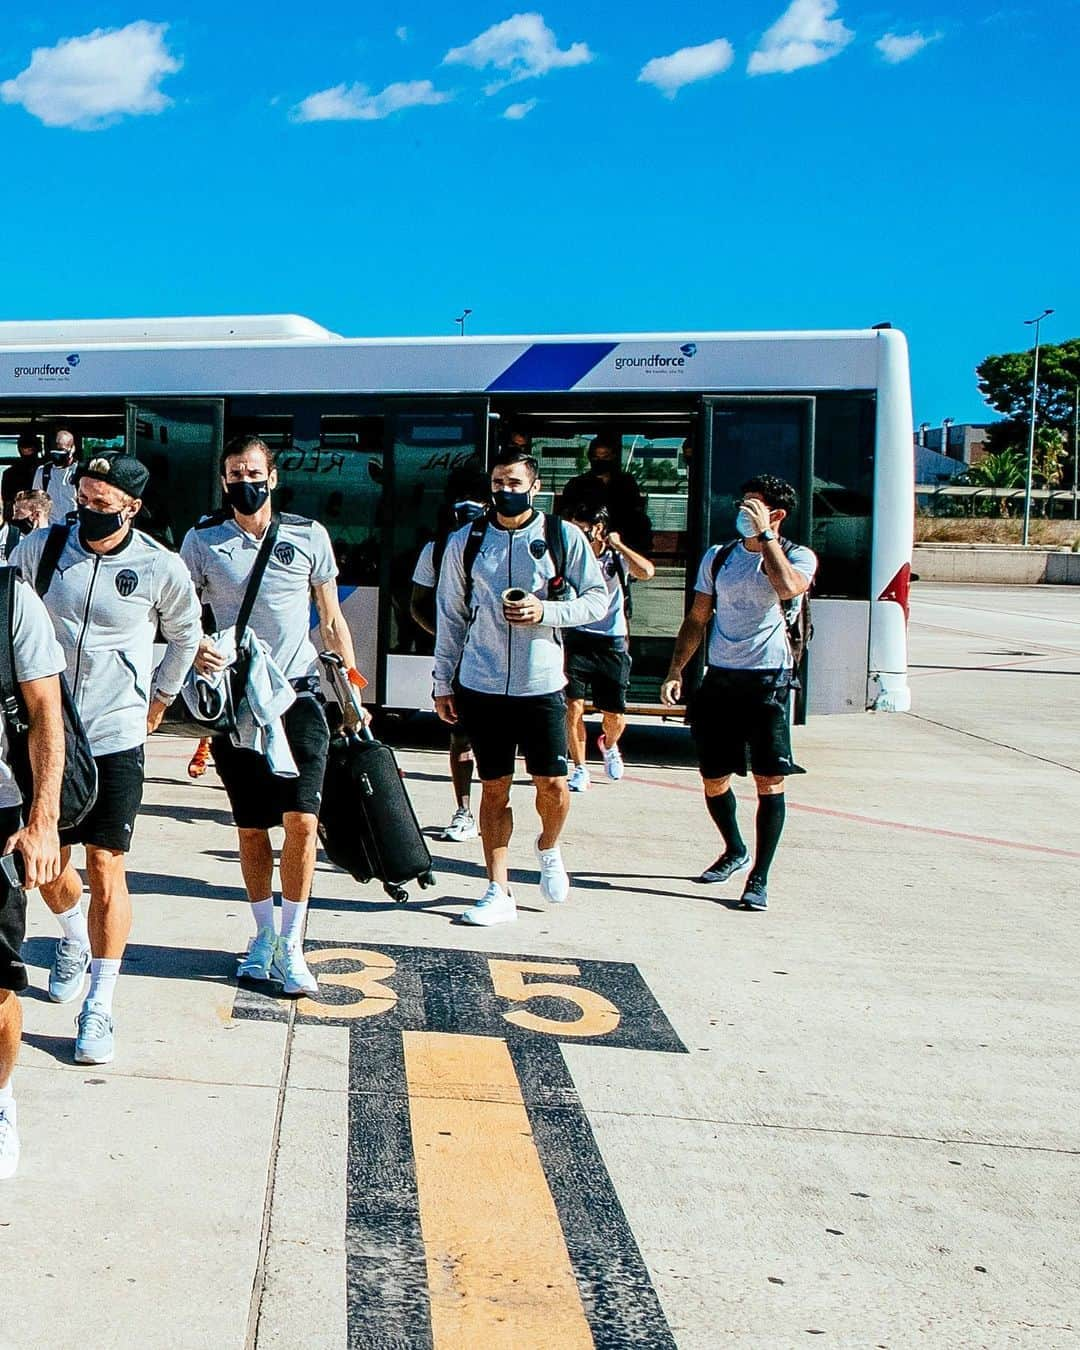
pixel 554 537
pixel 78 790
pixel 797 620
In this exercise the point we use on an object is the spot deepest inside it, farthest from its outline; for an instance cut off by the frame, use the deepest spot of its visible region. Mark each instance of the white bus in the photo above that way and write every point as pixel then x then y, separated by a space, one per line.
pixel 368 430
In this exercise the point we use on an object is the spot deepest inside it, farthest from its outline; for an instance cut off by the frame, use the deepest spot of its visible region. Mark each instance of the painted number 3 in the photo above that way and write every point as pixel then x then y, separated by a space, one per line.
pixel 375 996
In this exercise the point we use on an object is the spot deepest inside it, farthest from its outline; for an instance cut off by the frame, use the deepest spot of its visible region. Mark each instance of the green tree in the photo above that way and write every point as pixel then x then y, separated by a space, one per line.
pixel 1001 469
pixel 1005 384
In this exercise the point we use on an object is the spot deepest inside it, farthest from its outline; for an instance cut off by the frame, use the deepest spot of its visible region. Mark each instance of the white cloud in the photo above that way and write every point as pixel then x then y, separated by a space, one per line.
pixel 523 46
pixel 517 111
pixel 897 47
pixel 804 35
pixel 89 82
pixel 402 33
pixel 356 103
pixel 688 65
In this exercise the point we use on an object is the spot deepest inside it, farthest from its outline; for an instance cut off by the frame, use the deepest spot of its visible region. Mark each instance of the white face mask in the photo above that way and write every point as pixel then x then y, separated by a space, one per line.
pixel 744 524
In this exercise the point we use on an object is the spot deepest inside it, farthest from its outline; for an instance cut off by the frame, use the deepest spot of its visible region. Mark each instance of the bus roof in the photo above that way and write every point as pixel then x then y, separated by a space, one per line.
pixel 281 354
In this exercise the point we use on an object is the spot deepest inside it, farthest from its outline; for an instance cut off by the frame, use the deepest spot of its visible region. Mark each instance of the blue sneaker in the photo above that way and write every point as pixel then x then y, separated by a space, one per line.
pixel 94 1037
pixel 579 779
pixel 756 895
pixel 256 962
pixel 68 971
pixel 292 970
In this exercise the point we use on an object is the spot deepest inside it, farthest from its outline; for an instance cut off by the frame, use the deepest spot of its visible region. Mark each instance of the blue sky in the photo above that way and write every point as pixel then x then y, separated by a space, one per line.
pixel 824 163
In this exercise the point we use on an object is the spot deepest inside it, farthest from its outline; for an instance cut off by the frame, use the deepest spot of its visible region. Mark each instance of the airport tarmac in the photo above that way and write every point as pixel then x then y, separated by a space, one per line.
pixel 645 1118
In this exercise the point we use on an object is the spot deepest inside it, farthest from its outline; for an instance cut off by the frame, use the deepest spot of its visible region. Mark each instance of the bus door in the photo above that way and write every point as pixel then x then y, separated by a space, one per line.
pixel 427 440
pixel 179 441
pixel 743 436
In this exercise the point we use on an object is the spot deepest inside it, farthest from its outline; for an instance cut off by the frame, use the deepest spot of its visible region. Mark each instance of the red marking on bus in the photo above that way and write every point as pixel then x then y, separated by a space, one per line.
pixel 899 589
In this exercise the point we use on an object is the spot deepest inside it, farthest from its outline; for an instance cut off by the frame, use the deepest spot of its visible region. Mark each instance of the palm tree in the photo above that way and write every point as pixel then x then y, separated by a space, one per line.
pixel 999 469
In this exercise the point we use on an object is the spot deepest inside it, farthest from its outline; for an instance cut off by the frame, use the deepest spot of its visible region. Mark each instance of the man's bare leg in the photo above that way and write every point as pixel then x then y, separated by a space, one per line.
pixel 496 828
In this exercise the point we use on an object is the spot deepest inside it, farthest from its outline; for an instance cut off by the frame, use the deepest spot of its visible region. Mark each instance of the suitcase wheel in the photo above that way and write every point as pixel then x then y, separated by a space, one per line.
pixel 428 879
pixel 398 894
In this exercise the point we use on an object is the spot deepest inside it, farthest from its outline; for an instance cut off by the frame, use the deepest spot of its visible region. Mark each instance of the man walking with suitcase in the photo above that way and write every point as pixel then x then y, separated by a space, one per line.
pixel 221 553
pixel 499 664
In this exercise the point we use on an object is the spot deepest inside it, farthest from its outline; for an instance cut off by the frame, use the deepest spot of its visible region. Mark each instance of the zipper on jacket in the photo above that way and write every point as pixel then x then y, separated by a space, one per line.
pixel 509 626
pixel 85 625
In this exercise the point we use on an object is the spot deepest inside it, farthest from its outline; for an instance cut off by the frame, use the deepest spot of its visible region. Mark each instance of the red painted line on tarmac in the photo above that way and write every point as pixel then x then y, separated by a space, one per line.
pixel 886 824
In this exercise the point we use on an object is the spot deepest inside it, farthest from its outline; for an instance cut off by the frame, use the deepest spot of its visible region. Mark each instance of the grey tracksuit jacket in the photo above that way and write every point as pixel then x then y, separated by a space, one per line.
pixel 106 610
pixel 474 641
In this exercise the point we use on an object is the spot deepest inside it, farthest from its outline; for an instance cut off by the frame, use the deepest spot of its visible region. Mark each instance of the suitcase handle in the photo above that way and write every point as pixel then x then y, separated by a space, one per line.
pixel 338 676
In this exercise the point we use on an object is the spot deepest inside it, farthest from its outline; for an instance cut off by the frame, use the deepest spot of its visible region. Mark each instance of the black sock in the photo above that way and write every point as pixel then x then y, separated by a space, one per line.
pixel 722 810
pixel 771 810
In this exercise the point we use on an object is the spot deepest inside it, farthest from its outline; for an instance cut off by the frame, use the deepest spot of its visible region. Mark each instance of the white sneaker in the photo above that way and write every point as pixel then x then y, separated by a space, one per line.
pixel 554 882
pixel 494 906
pixel 291 969
pixel 9 1143
pixel 613 761
pixel 579 779
pixel 462 827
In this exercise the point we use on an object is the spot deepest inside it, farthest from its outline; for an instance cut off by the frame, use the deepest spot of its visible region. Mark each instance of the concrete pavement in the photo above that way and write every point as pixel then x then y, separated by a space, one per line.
pixel 851 1120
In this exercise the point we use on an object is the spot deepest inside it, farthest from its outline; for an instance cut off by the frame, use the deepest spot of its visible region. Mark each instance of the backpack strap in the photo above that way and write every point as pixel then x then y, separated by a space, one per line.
pixel 438 550
pixel 255 580
pixel 473 543
pixel 723 553
pixel 10 702
pixel 555 538
pixel 50 557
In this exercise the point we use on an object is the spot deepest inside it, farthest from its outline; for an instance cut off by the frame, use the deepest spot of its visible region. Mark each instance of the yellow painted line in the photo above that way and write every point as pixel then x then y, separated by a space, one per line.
pixel 499 1274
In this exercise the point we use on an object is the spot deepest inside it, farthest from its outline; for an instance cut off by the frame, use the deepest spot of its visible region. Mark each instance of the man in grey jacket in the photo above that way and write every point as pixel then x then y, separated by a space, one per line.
pixel 499 668
pixel 110 590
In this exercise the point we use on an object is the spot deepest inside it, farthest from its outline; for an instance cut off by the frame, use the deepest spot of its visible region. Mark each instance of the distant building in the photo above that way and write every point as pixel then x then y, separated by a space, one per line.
pixel 963 442
pixel 933 467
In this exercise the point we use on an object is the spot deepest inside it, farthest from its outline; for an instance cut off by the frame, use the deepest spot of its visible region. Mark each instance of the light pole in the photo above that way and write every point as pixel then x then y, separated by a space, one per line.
pixel 461 319
pixel 1031 430
pixel 1076 445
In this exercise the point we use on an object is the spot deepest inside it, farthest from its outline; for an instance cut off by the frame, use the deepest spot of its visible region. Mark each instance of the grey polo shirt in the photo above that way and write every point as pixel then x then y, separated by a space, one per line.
pixel 37 655
pixel 220 556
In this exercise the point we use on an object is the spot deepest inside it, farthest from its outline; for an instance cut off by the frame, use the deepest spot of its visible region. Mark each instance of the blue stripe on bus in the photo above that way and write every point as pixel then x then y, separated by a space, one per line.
pixel 551 366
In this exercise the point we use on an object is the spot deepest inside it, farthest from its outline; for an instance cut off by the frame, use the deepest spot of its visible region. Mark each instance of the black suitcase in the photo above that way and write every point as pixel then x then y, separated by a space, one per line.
pixel 367 824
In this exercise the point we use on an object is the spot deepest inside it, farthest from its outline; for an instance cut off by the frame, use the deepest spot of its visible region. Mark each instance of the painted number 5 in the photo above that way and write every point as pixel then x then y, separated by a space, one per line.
pixel 596 1016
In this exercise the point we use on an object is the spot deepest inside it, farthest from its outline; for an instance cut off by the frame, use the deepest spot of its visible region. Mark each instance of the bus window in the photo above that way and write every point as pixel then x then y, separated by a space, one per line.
pixel 843 494
pixel 337 480
pixel 428 446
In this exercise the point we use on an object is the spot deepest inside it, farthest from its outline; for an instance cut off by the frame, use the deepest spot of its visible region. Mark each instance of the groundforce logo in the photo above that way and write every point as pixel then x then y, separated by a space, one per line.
pixel 657 362
pixel 47 371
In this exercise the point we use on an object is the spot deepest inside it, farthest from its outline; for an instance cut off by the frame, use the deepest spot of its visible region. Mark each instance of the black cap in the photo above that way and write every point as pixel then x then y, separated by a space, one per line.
pixel 28 440
pixel 119 470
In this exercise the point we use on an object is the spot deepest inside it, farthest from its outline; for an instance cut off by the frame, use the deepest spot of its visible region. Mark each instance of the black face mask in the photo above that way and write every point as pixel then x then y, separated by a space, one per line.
pixel 511 503
pixel 97 525
pixel 59 457
pixel 247 498
pixel 24 524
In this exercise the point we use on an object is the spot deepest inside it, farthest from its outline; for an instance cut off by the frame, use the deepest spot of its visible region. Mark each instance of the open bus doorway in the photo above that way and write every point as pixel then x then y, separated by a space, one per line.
pixel 655 448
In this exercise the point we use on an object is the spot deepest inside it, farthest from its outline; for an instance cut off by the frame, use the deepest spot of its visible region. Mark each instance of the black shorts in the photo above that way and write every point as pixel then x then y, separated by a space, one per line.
pixel 259 798
pixel 740 718
pixel 12 914
pixel 497 725
pixel 599 666
pixel 111 820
